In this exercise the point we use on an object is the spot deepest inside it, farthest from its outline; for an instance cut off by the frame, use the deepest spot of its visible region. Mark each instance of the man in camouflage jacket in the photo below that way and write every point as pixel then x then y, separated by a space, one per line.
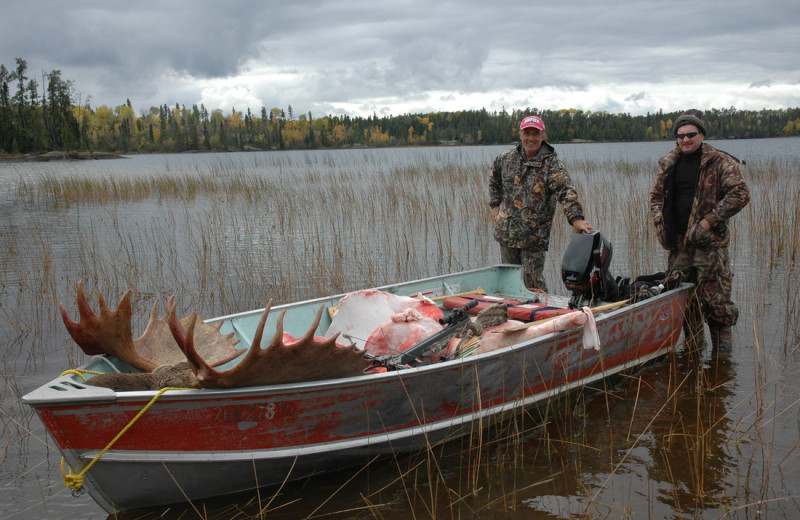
pixel 524 185
pixel 697 189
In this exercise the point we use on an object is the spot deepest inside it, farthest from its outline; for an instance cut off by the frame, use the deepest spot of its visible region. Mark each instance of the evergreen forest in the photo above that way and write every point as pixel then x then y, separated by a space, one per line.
pixel 38 118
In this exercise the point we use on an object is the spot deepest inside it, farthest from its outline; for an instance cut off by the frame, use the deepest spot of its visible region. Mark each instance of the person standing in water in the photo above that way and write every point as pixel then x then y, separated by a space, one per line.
pixel 524 186
pixel 697 190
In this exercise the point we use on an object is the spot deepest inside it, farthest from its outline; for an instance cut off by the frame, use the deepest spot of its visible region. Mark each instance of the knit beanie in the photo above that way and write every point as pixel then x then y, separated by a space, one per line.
pixel 690 117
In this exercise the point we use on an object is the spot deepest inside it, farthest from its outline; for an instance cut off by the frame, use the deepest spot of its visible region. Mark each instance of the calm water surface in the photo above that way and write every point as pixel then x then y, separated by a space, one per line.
pixel 692 438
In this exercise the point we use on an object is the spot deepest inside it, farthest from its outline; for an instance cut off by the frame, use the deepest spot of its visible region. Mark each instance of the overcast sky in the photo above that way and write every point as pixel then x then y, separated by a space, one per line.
pixel 413 56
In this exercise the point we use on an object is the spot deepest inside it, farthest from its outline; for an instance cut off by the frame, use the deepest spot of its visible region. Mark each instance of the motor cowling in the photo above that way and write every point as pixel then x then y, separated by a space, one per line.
pixel 585 269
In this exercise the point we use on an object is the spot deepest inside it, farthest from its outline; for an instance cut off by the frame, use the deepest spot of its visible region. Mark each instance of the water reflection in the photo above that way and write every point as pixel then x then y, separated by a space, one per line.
pixel 692 435
pixel 658 441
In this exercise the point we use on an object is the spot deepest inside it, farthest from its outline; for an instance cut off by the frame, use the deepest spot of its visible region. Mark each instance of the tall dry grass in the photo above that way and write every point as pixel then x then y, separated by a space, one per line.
pixel 688 437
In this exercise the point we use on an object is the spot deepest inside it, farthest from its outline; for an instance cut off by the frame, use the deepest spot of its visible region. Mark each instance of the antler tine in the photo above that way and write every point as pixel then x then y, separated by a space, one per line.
pixel 313 329
pixel 84 309
pixel 310 334
pixel 184 339
pixel 277 338
pixel 152 322
pixel 260 328
pixel 154 309
pixel 101 301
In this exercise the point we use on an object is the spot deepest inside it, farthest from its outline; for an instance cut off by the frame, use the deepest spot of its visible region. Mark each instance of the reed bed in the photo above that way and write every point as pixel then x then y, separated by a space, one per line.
pixel 689 437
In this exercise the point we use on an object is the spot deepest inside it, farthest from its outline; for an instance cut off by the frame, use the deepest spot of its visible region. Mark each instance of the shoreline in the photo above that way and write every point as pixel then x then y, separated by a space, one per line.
pixel 85 156
pixel 60 156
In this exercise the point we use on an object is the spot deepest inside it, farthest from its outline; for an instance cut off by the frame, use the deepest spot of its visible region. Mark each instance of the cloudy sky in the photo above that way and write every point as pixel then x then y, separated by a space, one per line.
pixel 413 56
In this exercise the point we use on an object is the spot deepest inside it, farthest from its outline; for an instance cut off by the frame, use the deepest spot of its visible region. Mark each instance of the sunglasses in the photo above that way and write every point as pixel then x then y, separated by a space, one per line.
pixel 690 135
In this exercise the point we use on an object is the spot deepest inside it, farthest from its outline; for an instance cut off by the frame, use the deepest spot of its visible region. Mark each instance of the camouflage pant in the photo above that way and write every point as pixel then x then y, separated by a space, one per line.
pixel 709 270
pixel 532 263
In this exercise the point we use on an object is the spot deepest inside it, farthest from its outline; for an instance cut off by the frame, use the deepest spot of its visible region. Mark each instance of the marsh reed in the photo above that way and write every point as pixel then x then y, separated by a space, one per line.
pixel 688 437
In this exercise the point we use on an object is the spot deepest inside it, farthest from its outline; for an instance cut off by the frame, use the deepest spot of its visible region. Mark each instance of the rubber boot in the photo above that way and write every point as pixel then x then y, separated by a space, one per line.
pixel 693 331
pixel 721 339
pixel 694 335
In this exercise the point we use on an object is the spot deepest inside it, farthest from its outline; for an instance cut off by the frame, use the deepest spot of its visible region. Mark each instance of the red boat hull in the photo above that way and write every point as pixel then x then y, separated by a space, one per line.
pixel 201 443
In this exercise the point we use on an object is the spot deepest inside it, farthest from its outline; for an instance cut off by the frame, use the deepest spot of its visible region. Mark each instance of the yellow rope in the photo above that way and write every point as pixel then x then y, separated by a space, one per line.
pixel 75 481
pixel 80 372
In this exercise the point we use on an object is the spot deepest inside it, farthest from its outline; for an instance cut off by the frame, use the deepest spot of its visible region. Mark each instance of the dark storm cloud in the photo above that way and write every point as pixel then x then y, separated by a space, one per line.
pixel 202 40
pixel 316 53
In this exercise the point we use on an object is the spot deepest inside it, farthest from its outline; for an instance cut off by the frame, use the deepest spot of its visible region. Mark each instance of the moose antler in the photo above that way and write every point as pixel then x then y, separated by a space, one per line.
pixel 306 359
pixel 110 332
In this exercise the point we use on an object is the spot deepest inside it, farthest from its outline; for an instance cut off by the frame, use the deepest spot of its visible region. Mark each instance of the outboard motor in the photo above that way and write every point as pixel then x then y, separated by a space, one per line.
pixel 584 269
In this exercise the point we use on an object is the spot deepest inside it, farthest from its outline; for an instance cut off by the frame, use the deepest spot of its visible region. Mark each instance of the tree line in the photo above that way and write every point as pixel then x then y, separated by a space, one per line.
pixel 36 119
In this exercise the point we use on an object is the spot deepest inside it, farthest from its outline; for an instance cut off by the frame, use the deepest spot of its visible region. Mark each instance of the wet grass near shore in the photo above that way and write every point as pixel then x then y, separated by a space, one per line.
pixel 691 436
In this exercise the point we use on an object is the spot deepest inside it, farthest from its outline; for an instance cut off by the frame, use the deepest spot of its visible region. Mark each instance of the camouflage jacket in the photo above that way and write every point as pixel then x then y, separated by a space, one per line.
pixel 526 192
pixel 721 193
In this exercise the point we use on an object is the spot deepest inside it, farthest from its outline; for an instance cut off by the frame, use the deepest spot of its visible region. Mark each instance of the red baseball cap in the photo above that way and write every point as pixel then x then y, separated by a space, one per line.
pixel 532 122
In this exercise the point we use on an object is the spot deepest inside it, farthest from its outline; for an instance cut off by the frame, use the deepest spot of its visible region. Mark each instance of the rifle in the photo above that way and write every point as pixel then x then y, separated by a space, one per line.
pixel 429 346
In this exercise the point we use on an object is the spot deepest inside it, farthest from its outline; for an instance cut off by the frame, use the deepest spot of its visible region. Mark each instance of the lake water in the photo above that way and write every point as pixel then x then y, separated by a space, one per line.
pixel 691 438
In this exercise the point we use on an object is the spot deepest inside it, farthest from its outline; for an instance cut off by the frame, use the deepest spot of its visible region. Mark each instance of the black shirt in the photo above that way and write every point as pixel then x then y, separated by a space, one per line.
pixel 687 172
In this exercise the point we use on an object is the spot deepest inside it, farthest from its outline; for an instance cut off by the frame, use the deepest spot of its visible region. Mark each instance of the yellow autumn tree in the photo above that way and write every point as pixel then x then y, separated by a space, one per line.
pixel 339 133
pixel 375 135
